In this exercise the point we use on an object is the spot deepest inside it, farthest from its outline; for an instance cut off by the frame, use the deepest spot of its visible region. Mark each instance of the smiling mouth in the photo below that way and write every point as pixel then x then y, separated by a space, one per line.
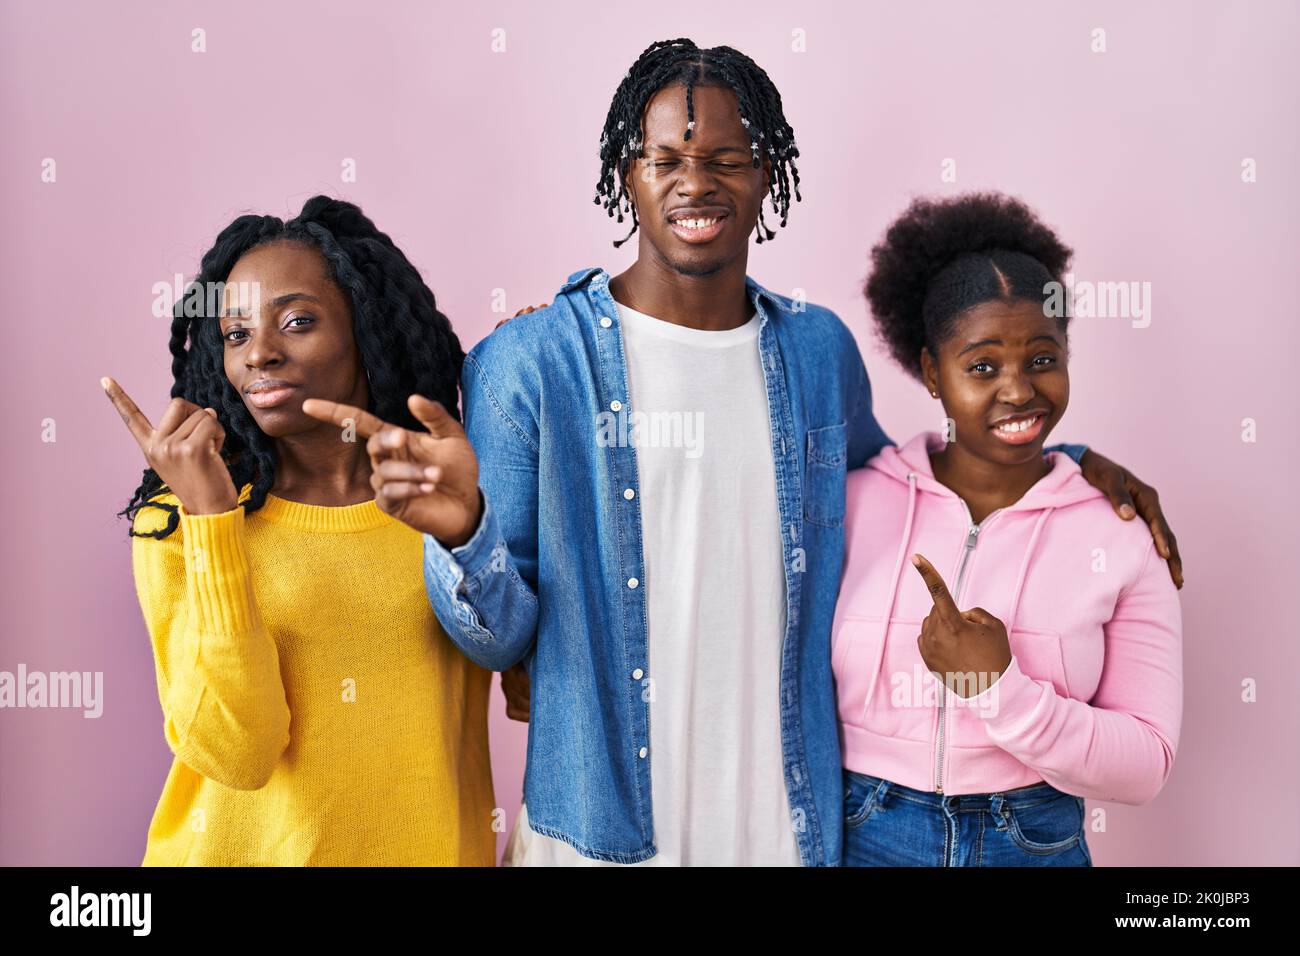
pixel 1020 432
pixel 697 228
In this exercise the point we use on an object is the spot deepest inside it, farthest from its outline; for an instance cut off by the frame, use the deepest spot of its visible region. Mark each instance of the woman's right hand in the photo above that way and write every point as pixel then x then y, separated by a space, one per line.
pixel 185 451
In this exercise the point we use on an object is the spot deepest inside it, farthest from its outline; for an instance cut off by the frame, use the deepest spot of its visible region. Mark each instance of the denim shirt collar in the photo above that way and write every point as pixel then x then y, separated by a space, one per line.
pixel 756 291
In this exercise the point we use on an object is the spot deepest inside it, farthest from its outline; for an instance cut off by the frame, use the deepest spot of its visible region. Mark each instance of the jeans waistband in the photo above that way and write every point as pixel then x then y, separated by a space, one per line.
pixel 1022 797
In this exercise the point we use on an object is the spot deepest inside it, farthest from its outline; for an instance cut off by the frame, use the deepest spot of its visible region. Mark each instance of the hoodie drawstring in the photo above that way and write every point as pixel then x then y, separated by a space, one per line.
pixel 902 557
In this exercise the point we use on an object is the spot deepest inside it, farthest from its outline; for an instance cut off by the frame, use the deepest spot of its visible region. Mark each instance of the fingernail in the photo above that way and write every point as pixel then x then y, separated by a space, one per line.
pixel 103 383
pixel 431 471
pixel 916 560
pixel 426 486
pixel 1126 511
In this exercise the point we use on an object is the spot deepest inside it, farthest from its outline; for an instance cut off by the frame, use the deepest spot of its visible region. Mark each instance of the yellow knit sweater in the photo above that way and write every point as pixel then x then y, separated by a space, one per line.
pixel 318 712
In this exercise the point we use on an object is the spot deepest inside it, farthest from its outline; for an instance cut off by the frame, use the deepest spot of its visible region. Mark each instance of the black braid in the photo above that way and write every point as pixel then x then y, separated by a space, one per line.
pixel 406 345
pixel 666 62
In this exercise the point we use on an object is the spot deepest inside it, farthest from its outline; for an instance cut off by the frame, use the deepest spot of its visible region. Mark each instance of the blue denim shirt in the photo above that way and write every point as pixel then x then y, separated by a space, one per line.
pixel 552 574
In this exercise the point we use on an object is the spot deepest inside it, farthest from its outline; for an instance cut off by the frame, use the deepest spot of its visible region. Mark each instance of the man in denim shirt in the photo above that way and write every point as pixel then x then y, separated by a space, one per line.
pixel 546 555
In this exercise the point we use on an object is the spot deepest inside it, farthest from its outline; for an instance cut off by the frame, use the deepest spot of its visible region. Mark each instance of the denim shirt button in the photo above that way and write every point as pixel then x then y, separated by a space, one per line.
pixel 615 405
pixel 796 775
pixel 605 322
pixel 642 752
pixel 632 582
pixel 636 674
pixel 629 494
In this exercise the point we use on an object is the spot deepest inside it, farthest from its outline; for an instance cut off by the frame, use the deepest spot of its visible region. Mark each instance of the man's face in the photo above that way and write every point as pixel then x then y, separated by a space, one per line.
pixel 698 200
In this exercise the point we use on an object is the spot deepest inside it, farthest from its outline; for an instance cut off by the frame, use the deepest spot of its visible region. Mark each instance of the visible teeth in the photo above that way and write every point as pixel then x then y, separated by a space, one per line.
pixel 695 223
pixel 1017 426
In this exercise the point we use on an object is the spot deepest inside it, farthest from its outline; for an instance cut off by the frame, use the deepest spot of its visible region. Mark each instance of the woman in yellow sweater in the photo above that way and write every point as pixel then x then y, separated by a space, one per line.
pixel 317 711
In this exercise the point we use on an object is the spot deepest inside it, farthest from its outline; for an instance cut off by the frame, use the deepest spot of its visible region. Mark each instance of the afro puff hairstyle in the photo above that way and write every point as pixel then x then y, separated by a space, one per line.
pixel 942 257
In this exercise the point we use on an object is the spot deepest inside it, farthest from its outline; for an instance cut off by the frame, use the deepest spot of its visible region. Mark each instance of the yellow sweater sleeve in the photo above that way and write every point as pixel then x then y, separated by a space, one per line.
pixel 224 709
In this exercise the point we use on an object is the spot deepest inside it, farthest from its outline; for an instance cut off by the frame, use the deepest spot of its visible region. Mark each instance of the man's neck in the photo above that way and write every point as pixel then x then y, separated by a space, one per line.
pixel 712 303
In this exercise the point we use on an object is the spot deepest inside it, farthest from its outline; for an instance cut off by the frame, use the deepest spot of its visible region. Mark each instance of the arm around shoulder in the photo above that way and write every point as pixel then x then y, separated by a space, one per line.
pixel 864 435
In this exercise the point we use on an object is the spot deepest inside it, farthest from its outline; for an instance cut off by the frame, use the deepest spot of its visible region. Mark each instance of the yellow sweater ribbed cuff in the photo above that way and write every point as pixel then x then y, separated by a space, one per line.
pixel 216 566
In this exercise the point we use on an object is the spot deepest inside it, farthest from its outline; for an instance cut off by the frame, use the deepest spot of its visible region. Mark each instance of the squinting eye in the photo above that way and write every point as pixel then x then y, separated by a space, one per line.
pixel 1050 360
pixel 977 365
pixel 304 318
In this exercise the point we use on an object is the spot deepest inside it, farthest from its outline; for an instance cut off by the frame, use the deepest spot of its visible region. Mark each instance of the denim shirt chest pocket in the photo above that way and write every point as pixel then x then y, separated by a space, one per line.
pixel 824 475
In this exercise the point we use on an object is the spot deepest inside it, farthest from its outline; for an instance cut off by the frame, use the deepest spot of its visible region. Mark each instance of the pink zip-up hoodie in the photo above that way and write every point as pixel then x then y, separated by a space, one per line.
pixel 1092 699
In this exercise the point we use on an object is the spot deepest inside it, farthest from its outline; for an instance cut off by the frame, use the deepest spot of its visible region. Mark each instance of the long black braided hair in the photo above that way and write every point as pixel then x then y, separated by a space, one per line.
pixel 407 346
pixel 667 62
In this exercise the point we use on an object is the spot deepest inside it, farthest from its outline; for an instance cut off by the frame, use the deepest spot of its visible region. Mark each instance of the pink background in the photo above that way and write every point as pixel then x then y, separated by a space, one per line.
pixel 482 166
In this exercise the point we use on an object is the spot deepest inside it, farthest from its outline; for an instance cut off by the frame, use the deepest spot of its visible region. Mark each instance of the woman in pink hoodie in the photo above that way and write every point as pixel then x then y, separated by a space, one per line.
pixel 973 555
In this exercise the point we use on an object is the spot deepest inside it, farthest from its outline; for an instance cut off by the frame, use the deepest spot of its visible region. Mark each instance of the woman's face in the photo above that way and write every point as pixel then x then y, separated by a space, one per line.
pixel 1002 377
pixel 290 341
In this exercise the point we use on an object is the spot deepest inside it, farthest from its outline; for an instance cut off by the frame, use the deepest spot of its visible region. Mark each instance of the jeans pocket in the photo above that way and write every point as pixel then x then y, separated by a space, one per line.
pixel 859 799
pixel 1052 826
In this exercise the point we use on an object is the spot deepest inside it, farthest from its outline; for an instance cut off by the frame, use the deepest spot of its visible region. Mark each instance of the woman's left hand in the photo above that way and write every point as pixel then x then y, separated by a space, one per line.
pixel 967 650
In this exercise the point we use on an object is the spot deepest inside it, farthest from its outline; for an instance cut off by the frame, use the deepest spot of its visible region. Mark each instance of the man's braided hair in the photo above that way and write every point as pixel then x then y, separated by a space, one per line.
pixel 668 62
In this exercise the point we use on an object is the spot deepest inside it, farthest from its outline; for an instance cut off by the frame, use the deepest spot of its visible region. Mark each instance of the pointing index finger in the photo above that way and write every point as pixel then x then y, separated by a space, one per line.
pixel 943 602
pixel 344 415
pixel 134 418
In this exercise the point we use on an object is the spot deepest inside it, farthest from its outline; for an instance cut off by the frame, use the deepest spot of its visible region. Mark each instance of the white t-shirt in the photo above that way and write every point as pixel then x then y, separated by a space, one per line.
pixel 715 593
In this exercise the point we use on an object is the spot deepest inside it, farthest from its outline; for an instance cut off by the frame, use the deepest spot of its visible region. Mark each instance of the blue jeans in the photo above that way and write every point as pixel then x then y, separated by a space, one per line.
pixel 886 824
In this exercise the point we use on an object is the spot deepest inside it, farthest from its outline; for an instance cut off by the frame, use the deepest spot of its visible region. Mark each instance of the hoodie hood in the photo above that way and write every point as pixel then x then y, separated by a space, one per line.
pixel 1076 636
pixel 910 465
pixel 1063 485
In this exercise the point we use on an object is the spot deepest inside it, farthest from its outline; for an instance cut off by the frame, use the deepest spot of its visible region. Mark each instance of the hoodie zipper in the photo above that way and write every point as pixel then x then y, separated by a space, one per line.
pixel 972 537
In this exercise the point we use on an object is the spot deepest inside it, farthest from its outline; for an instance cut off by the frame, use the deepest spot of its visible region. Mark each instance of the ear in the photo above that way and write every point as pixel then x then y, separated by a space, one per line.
pixel 929 372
